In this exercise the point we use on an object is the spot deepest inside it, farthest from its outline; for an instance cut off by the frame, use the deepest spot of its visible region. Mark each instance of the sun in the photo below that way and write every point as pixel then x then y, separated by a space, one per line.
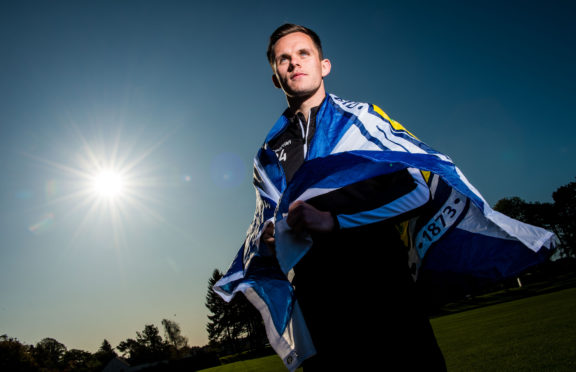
pixel 108 184
pixel 103 179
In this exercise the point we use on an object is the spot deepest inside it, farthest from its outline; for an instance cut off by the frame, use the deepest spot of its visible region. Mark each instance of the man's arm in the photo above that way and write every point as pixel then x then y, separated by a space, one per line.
pixel 381 198
pixel 303 216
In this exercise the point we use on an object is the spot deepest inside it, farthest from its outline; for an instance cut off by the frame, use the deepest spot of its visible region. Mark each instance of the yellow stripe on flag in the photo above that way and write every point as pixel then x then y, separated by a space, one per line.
pixel 396 125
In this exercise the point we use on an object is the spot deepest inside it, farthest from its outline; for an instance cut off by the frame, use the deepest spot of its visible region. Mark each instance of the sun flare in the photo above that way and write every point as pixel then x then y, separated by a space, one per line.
pixel 102 179
pixel 109 184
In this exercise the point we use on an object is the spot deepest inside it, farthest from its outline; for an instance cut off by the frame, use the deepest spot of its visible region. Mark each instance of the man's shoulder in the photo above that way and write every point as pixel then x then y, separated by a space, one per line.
pixel 349 105
pixel 357 108
pixel 369 114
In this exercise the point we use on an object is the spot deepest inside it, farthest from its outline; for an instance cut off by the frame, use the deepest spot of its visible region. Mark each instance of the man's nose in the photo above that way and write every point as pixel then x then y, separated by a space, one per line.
pixel 294 62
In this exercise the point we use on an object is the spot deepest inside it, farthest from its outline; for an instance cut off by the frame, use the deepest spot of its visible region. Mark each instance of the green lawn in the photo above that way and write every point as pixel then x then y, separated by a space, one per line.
pixel 531 334
pixel 266 364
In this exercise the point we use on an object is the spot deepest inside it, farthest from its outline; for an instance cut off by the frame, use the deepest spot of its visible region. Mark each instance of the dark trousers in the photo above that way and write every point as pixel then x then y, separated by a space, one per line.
pixel 361 306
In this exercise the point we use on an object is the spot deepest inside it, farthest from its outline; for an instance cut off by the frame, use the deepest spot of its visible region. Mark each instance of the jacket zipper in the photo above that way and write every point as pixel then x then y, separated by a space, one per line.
pixel 305 133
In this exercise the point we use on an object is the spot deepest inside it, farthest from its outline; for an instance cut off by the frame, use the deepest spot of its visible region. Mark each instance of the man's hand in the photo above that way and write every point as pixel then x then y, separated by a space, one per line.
pixel 304 217
pixel 267 237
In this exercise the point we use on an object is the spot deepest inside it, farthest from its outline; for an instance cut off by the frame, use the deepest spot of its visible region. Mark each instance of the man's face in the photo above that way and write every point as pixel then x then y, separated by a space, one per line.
pixel 298 69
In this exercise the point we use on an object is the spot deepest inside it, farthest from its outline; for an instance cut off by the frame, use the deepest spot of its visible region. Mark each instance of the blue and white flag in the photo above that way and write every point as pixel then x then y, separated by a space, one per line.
pixel 457 233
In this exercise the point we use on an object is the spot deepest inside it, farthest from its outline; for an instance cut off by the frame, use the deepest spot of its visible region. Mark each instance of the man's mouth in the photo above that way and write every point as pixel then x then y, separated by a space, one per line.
pixel 297 75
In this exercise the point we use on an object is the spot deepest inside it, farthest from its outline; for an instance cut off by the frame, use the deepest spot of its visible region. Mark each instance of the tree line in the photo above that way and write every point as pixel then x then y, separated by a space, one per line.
pixel 50 355
pixel 233 327
pixel 558 216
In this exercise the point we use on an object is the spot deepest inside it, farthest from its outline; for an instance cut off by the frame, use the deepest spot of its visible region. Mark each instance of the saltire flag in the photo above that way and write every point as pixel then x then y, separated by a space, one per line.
pixel 457 233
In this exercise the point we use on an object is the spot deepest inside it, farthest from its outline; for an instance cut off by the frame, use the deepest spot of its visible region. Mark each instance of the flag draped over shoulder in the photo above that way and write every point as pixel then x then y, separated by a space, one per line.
pixel 456 233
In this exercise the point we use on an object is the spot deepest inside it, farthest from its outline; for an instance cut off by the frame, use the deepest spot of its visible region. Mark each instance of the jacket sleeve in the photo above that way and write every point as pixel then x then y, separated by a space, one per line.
pixel 389 196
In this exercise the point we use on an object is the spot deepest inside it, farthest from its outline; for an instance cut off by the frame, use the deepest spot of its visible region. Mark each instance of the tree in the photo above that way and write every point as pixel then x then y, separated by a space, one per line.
pixel 220 326
pixel 48 353
pixel 78 361
pixel 173 336
pixel 558 217
pixel 565 211
pixel 513 207
pixel 14 356
pixel 105 354
pixel 230 322
pixel 537 214
pixel 147 347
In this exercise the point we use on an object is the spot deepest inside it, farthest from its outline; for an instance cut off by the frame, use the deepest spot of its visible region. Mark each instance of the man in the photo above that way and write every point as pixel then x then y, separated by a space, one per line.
pixel 350 206
pixel 299 70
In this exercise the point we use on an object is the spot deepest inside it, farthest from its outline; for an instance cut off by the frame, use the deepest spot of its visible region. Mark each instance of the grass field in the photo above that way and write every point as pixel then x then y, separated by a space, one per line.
pixel 531 334
pixel 266 364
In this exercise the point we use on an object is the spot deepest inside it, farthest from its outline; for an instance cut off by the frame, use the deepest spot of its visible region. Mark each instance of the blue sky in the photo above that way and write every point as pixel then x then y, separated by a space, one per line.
pixel 178 95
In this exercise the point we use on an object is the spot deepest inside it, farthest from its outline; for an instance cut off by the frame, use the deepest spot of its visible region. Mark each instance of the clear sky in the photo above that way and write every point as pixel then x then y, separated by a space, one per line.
pixel 177 96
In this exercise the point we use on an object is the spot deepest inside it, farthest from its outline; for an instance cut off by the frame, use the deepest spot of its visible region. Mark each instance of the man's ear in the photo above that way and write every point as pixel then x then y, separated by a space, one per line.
pixel 276 82
pixel 326 67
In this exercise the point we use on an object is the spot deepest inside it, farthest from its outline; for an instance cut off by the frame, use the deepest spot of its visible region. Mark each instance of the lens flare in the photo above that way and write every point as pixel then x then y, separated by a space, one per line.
pixel 109 184
pixel 102 180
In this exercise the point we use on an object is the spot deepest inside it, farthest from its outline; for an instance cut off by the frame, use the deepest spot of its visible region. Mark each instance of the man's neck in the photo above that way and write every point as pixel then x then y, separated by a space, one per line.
pixel 304 106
